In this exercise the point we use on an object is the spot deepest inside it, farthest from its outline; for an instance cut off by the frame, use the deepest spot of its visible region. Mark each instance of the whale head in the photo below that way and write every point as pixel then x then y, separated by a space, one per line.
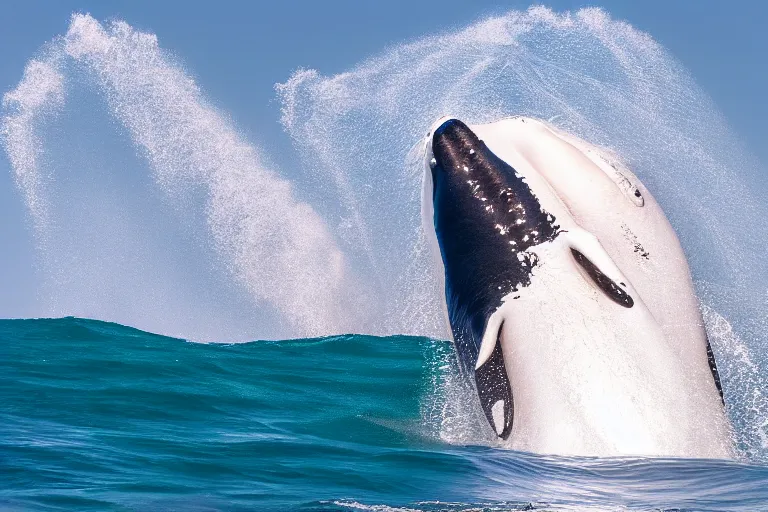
pixel 485 219
pixel 517 213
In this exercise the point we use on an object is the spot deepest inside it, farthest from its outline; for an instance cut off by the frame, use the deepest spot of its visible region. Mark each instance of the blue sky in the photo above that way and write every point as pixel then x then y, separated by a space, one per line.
pixel 239 50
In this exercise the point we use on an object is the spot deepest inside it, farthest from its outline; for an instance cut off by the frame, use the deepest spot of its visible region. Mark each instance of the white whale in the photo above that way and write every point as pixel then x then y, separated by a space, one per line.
pixel 569 296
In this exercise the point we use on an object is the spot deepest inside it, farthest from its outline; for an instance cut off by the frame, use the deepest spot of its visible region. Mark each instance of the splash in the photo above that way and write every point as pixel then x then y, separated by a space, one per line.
pixel 588 74
pixel 273 244
pixel 740 369
pixel 38 97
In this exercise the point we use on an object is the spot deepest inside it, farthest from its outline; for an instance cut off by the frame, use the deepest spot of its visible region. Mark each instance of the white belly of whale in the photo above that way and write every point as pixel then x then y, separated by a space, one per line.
pixel 601 380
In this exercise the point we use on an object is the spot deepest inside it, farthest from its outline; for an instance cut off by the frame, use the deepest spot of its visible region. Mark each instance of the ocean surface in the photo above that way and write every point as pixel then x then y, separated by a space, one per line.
pixel 98 416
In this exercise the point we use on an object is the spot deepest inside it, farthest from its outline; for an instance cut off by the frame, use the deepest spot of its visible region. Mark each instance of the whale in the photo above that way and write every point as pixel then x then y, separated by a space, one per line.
pixel 567 295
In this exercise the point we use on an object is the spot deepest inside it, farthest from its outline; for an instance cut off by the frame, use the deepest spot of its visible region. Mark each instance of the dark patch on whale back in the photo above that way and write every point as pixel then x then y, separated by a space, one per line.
pixel 486 217
pixel 493 386
pixel 713 369
pixel 605 283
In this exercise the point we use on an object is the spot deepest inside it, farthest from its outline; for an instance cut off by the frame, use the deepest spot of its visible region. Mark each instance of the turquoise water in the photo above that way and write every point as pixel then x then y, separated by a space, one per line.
pixel 98 416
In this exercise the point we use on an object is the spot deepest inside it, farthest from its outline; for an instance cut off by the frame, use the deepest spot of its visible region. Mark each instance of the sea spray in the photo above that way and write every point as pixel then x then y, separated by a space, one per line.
pixel 587 73
pixel 38 96
pixel 274 245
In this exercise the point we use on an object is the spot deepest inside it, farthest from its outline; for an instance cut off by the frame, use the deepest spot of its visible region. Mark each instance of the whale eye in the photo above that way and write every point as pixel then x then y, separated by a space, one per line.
pixel 630 191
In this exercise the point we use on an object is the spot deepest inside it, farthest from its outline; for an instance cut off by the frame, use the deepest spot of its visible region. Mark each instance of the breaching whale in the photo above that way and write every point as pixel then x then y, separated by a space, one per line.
pixel 568 296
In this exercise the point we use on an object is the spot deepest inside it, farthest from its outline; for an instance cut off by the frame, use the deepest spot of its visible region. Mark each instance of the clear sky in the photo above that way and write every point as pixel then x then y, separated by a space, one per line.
pixel 239 50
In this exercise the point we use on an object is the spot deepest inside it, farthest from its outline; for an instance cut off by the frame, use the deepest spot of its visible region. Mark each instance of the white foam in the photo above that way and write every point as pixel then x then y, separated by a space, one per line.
pixel 356 505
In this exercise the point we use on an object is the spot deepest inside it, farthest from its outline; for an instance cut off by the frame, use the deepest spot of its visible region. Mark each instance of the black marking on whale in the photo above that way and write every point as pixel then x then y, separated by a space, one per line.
pixel 605 283
pixel 637 246
pixel 493 386
pixel 486 217
pixel 713 369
